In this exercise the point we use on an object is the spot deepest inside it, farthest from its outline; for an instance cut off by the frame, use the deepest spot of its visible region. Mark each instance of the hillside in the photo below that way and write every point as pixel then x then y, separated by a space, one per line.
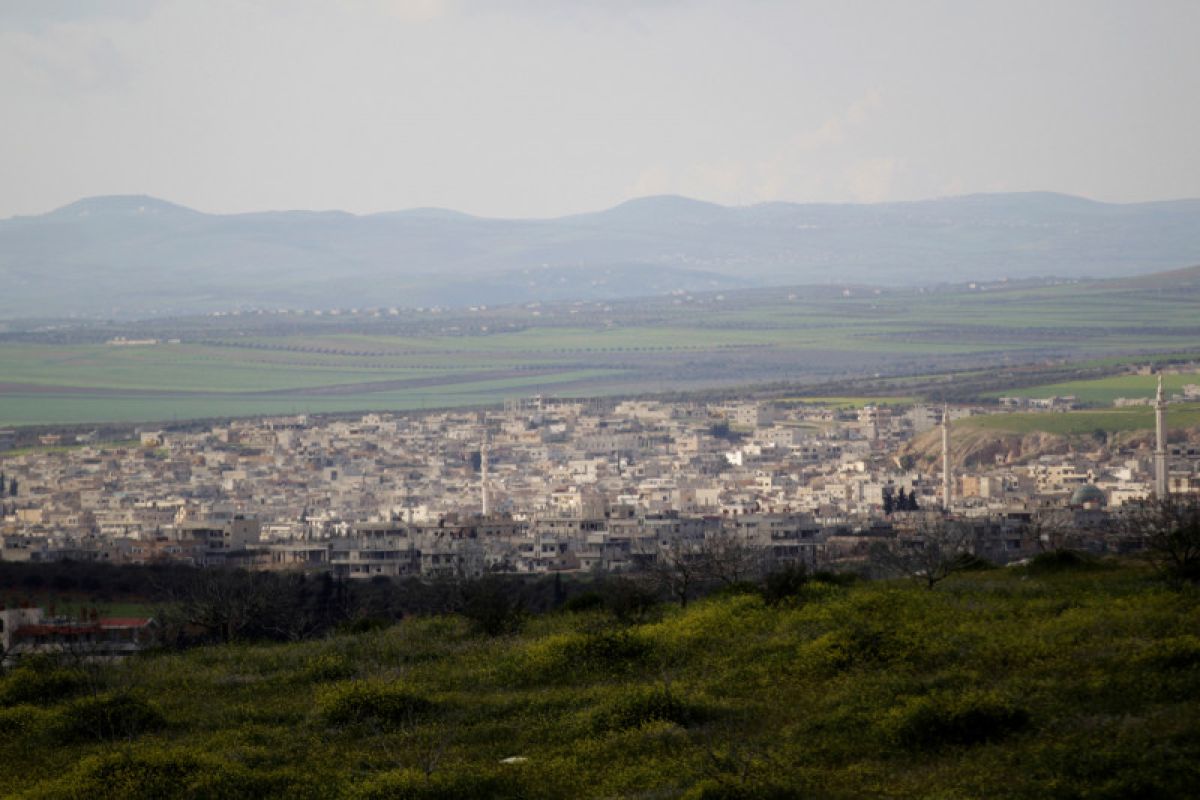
pixel 131 256
pixel 1003 683
pixel 974 447
pixel 1013 438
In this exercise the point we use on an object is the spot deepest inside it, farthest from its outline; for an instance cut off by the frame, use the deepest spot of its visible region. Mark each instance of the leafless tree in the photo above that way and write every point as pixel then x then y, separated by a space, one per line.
pixel 225 604
pixel 1053 530
pixel 1168 531
pixel 680 567
pixel 935 549
pixel 727 558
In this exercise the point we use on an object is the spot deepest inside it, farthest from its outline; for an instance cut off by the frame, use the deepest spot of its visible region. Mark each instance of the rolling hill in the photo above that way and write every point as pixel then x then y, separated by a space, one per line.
pixel 133 256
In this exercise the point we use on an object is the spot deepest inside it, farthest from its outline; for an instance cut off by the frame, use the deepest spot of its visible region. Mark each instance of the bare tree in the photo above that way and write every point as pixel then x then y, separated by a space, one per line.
pixel 680 567
pixel 728 558
pixel 226 604
pixel 1168 530
pixel 1053 530
pixel 935 549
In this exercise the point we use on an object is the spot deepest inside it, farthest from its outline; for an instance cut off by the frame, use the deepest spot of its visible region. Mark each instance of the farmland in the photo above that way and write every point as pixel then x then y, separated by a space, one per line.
pixel 1086 421
pixel 1103 391
pixel 358 360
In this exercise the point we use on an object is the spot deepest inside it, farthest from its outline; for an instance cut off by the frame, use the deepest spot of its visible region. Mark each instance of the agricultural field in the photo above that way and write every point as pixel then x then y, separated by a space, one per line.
pixel 1103 391
pixel 266 364
pixel 1059 679
pixel 852 402
pixel 1069 423
pixel 47 383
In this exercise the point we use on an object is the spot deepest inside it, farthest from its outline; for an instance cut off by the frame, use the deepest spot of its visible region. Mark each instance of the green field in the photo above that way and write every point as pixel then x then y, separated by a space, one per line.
pixel 852 402
pixel 1086 421
pixel 1001 683
pixel 1106 390
pixel 18 408
pixel 243 366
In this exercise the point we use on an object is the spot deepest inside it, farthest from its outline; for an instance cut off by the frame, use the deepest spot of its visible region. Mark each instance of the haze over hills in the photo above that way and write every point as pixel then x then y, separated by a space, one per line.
pixel 129 256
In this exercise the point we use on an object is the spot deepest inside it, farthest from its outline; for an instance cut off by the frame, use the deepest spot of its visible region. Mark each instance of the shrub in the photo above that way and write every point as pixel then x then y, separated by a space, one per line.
pixel 628 600
pixel 365 625
pixel 741 790
pixel 410 784
pixel 573 655
pixel 587 601
pixel 931 722
pixel 969 562
pixel 107 717
pixel 738 588
pixel 232 781
pixel 374 702
pixel 834 578
pixel 493 607
pixel 146 774
pixel 22 722
pixel 1056 561
pixel 40 684
pixel 1176 653
pixel 641 705
pixel 785 584
pixel 149 773
pixel 610 650
pixel 328 667
pixel 856 645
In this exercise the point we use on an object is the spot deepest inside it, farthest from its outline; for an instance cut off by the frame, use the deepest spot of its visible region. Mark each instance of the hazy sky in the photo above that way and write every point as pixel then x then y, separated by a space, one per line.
pixel 539 108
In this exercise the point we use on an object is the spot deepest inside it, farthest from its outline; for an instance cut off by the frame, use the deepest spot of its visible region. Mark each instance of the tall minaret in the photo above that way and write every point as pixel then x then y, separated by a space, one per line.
pixel 483 476
pixel 947 475
pixel 1160 446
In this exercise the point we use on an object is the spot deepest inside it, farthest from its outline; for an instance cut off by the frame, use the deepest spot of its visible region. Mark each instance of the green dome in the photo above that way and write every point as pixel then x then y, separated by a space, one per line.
pixel 1088 494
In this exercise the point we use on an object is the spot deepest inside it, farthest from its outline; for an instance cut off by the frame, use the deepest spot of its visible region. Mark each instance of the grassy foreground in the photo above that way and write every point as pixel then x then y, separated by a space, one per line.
pixel 1000 683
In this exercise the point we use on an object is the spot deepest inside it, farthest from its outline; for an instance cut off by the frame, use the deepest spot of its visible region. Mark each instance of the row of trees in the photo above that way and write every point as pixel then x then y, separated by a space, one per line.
pixel 194 605
pixel 899 501
pixel 230 605
pixel 1166 532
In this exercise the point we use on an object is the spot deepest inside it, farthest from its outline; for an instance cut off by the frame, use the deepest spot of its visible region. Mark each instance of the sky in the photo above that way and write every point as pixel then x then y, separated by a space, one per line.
pixel 539 108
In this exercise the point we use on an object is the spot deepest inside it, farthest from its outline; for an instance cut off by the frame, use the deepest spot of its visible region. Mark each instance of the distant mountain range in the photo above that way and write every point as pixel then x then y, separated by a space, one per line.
pixel 133 256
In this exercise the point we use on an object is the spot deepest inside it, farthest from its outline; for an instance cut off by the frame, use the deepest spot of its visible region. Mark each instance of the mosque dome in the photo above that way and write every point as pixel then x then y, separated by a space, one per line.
pixel 1088 493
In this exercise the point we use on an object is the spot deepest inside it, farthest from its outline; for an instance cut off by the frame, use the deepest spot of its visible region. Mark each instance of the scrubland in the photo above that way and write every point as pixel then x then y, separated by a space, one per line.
pixel 1066 678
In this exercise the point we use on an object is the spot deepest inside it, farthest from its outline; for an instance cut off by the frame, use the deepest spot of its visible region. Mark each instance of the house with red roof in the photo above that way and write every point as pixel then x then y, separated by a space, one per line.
pixel 29 631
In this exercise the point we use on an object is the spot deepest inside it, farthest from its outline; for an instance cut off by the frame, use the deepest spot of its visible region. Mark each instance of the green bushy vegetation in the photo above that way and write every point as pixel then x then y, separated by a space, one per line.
pixel 965 719
pixel 644 705
pixel 107 717
pixel 1061 680
pixel 39 682
pixel 372 702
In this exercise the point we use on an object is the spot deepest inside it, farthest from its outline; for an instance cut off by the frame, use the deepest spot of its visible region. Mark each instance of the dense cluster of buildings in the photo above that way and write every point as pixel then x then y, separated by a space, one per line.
pixel 547 485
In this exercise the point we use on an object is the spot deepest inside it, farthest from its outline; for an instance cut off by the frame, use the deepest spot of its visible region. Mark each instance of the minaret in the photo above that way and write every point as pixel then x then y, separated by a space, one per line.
pixel 947 475
pixel 483 465
pixel 1160 447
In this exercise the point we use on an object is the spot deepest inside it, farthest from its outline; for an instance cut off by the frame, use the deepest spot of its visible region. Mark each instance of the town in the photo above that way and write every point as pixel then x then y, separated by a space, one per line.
pixel 547 485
